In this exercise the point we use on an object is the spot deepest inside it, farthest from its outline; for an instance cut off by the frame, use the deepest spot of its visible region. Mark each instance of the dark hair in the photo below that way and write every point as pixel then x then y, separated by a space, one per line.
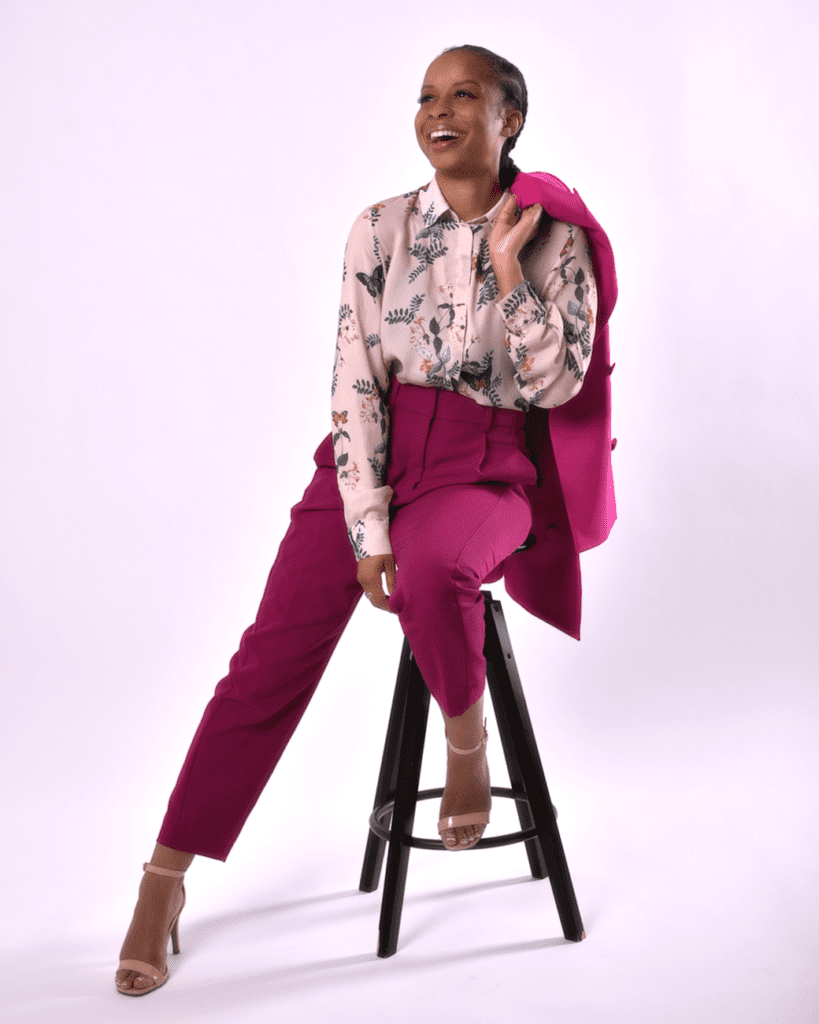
pixel 513 91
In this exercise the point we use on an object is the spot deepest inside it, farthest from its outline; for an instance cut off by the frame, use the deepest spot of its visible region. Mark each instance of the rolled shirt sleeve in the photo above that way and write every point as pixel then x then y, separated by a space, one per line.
pixel 549 335
pixel 360 410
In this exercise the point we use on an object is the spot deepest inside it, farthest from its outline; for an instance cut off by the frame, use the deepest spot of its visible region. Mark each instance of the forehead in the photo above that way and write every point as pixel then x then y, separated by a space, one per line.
pixel 451 67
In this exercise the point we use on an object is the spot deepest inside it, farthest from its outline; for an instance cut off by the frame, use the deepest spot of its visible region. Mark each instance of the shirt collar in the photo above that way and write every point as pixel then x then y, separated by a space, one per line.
pixel 434 206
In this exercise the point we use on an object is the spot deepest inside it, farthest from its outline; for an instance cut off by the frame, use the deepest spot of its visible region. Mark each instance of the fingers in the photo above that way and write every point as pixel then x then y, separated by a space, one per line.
pixel 510 207
pixel 513 228
pixel 533 211
pixel 527 225
pixel 509 211
pixel 369 578
pixel 371 585
pixel 378 598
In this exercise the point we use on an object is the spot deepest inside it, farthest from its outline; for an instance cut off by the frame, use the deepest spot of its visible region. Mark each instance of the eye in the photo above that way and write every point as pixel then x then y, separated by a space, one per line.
pixel 428 97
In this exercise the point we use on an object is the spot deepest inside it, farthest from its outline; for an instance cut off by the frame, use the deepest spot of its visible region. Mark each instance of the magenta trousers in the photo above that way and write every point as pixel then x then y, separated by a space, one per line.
pixel 458 470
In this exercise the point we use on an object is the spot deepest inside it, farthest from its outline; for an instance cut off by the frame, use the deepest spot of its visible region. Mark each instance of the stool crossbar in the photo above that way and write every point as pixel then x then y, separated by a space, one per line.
pixel 397 792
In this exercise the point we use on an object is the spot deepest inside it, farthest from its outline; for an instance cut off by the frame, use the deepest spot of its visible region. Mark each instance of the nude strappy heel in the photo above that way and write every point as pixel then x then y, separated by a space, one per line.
pixel 151 970
pixel 474 818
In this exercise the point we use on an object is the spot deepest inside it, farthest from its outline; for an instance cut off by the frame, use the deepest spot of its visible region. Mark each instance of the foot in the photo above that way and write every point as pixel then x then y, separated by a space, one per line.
pixel 467 790
pixel 160 899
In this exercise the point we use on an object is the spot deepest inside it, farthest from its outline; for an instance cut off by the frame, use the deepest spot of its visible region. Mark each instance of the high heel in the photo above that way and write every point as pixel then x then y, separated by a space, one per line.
pixel 475 817
pixel 158 976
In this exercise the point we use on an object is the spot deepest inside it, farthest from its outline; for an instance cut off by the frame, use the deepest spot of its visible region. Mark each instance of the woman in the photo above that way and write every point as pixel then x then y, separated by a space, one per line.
pixel 435 368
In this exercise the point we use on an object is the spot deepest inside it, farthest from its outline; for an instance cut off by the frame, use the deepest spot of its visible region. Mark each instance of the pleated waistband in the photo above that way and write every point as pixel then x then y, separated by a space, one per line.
pixel 437 403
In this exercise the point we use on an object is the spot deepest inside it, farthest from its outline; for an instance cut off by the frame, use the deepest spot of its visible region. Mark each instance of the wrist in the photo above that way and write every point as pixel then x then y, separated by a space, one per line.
pixel 508 275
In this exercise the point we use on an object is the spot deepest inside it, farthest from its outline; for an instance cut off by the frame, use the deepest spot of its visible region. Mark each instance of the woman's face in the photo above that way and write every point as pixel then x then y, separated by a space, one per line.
pixel 458 93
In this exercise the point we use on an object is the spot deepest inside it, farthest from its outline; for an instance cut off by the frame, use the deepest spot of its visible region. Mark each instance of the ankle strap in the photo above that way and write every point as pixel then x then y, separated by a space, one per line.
pixel 163 871
pixel 457 750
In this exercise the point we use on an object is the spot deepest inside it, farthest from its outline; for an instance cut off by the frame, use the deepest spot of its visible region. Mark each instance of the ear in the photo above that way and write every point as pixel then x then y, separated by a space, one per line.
pixel 514 121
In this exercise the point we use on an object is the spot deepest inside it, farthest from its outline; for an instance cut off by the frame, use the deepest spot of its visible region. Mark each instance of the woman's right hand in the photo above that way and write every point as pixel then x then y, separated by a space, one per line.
pixel 369 576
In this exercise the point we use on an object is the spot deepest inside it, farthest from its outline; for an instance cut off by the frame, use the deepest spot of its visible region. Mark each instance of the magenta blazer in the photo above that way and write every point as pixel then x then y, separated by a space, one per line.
pixel 573 501
pixel 573 505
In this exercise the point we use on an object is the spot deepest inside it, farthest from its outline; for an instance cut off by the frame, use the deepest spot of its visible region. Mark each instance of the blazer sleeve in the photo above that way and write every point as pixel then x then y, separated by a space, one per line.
pixel 360 409
pixel 549 336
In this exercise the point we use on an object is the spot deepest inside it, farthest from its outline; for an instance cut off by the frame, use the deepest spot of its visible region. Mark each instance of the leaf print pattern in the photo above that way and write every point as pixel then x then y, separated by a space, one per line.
pixel 421 302
pixel 485 274
pixel 356 533
pixel 373 408
pixel 405 316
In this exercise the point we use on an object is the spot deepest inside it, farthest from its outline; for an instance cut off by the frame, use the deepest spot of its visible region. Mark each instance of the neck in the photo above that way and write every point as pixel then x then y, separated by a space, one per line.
pixel 470 197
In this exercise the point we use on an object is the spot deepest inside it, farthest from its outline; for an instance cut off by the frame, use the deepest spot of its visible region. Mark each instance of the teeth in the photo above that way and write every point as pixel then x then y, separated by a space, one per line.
pixel 440 133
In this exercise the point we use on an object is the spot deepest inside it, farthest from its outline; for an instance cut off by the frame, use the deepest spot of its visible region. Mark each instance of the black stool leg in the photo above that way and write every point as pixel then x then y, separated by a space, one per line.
pixel 525 768
pixel 499 686
pixel 406 794
pixel 388 776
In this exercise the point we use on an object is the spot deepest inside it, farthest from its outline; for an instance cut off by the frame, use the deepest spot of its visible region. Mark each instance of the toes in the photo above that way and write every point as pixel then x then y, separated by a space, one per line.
pixel 450 836
pixel 464 835
pixel 469 835
pixel 132 979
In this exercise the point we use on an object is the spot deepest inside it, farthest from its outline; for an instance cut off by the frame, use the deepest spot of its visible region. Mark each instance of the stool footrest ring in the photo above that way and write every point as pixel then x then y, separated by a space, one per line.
pixel 381 813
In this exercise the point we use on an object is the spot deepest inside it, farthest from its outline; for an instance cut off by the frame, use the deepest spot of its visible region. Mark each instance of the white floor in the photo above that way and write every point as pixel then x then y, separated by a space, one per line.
pixel 699 903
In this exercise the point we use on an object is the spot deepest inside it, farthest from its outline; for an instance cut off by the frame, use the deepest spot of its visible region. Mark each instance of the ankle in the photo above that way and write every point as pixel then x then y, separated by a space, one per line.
pixel 175 860
pixel 466 730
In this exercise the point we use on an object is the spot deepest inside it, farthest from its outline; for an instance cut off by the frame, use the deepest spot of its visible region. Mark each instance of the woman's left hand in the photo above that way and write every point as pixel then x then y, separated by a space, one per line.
pixel 511 231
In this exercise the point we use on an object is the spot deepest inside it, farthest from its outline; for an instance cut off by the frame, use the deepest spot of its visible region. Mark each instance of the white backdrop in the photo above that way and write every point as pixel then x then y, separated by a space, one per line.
pixel 178 181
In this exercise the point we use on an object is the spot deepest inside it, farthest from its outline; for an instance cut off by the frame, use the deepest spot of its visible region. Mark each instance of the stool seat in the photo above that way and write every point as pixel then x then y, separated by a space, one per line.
pixel 397 791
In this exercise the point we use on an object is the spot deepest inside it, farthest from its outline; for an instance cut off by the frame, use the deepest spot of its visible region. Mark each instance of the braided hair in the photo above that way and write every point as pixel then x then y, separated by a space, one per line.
pixel 513 91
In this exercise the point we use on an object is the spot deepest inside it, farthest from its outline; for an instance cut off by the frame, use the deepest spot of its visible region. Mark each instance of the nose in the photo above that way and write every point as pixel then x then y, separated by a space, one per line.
pixel 434 120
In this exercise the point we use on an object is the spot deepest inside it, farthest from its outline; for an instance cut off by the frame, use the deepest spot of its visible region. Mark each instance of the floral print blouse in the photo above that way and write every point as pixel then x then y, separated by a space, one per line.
pixel 419 300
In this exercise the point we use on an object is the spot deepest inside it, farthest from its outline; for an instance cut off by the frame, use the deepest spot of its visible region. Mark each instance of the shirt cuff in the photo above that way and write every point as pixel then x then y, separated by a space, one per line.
pixel 521 307
pixel 370 537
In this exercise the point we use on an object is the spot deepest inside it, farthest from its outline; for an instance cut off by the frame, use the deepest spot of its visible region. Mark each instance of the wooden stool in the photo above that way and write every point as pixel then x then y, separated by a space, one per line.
pixel 397 790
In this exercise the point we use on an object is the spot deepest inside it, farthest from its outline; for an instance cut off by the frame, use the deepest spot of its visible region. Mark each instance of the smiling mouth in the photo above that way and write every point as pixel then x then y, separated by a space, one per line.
pixel 443 141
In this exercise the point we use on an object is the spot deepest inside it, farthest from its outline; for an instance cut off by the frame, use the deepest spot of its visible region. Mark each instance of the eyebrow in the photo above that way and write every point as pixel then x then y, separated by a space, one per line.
pixel 467 81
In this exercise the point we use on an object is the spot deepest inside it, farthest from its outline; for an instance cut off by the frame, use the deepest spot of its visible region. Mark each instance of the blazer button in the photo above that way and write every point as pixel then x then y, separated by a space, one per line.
pixel 613 443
